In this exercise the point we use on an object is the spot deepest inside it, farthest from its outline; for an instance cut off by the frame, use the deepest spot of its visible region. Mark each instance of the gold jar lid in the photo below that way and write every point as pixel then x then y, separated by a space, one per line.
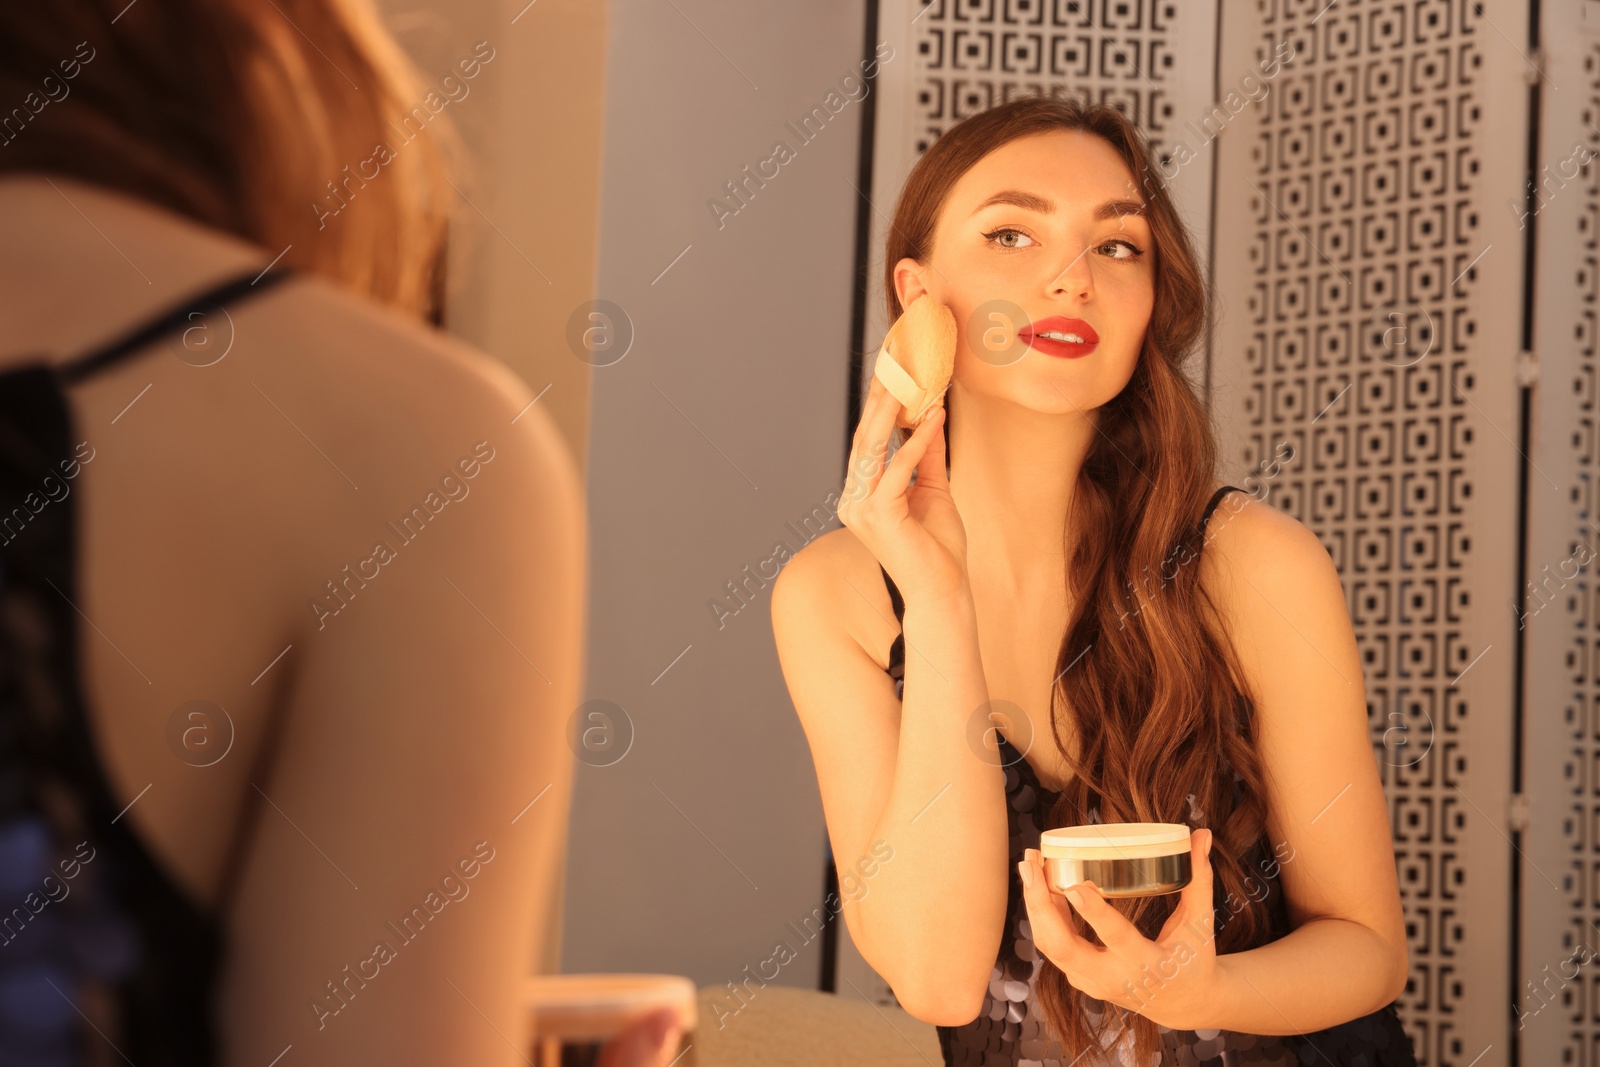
pixel 1115 840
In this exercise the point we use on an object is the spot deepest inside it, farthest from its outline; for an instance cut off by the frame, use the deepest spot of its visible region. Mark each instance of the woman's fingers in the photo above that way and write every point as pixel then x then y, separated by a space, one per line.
pixel 931 468
pixel 1052 931
pixel 1196 906
pixel 1113 928
pixel 909 456
pixel 858 469
pixel 870 444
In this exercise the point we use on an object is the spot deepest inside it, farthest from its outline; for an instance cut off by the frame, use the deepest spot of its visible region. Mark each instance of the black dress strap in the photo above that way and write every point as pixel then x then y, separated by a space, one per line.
pixel 897 650
pixel 894 595
pixel 169 321
pixel 1216 498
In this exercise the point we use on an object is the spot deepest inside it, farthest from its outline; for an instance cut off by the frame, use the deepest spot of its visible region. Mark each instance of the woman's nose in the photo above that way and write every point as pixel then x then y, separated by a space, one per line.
pixel 1076 277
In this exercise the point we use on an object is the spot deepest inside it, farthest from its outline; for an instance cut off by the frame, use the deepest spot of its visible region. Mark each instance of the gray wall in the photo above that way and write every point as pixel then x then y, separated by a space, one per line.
pixel 723 422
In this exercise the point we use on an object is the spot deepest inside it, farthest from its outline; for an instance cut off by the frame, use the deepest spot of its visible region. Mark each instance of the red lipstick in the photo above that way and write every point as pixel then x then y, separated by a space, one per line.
pixel 1055 346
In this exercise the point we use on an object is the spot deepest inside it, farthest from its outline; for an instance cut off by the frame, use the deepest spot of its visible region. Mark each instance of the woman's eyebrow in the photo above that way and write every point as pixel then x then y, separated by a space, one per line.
pixel 1033 202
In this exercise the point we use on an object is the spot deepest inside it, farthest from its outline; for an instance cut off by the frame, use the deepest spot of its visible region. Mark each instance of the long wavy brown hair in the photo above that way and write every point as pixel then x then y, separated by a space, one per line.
pixel 1147 676
pixel 239 114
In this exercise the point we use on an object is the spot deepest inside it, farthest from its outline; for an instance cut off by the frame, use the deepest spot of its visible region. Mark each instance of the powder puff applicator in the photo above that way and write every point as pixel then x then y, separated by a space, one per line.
pixel 918 357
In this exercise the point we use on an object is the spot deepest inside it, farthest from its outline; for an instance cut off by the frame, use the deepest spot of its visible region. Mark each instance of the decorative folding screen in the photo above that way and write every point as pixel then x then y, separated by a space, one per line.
pixel 1557 996
pixel 1370 278
pixel 1364 369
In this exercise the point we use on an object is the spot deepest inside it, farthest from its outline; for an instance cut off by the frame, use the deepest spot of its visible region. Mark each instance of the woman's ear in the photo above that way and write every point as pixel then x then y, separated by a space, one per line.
pixel 908 281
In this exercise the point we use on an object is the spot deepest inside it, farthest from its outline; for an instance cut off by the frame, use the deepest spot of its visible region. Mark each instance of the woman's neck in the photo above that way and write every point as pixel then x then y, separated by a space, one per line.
pixel 1013 473
pixel 83 261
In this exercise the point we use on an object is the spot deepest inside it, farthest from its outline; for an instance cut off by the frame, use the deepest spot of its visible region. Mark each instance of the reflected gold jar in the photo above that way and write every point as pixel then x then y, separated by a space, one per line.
pixel 1122 859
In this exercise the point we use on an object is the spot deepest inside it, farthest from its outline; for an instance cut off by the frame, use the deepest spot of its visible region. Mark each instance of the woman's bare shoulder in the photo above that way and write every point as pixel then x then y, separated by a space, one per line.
pixel 840 579
pixel 86 264
pixel 1263 568
pixel 358 397
pixel 324 402
pixel 393 368
pixel 1246 530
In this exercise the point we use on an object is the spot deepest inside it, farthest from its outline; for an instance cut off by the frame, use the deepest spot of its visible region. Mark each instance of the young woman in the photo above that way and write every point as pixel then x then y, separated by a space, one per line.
pixel 1043 582
pixel 265 790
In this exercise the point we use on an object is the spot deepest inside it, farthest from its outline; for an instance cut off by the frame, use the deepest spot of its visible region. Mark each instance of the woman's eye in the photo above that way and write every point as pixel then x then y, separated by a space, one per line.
pixel 999 237
pixel 1134 251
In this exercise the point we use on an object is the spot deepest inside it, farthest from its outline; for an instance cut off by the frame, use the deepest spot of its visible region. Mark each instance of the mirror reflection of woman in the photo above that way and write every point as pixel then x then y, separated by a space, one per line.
pixel 1065 620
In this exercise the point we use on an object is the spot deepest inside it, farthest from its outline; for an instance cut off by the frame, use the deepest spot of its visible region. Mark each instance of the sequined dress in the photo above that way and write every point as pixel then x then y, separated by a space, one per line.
pixel 1010 1028
pixel 103 957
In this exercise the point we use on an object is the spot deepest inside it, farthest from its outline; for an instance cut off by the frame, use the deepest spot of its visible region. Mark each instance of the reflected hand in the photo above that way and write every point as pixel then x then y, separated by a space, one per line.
pixel 651 1041
pixel 1170 981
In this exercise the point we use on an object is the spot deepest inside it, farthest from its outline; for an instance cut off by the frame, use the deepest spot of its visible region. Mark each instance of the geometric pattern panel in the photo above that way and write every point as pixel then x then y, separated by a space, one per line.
pixel 974 54
pixel 1359 223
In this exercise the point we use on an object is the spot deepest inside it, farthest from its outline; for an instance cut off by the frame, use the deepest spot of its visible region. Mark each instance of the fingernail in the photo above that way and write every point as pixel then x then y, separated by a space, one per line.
pixel 1076 898
pixel 1026 870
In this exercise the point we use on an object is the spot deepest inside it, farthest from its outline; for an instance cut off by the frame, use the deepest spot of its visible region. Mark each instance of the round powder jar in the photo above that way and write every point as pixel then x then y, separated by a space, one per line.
pixel 1122 859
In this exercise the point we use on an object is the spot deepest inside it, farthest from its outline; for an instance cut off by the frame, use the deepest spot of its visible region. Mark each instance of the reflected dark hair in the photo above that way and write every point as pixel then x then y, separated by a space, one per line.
pixel 1147 677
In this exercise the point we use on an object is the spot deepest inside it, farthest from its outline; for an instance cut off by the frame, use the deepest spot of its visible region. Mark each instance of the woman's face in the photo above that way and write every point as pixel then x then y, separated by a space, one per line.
pixel 1063 242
